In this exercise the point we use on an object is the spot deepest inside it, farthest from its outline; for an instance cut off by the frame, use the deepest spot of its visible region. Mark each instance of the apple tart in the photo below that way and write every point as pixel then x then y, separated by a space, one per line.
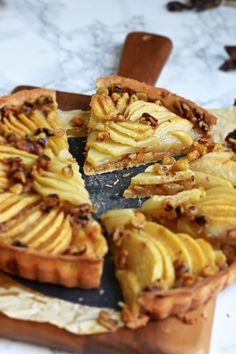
pixel 132 123
pixel 162 273
pixel 47 232
pixel 215 168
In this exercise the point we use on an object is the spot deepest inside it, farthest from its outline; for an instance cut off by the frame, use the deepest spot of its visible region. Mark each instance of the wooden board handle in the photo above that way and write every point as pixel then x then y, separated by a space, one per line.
pixel 143 56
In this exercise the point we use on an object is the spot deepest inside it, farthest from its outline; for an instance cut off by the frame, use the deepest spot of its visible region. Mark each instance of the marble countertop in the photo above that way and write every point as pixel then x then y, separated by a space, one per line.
pixel 66 44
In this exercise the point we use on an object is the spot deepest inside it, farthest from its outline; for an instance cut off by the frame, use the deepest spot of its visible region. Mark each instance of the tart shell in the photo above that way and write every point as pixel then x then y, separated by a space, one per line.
pixel 160 304
pixel 20 97
pixel 67 270
pixel 171 101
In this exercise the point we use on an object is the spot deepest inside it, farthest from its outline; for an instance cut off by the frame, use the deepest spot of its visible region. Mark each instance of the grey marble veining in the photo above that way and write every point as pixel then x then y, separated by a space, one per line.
pixel 67 44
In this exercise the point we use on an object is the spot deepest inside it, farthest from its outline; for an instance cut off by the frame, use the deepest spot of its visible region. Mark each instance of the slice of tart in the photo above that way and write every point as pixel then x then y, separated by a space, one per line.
pixel 47 232
pixel 210 214
pixel 162 273
pixel 132 123
pixel 216 168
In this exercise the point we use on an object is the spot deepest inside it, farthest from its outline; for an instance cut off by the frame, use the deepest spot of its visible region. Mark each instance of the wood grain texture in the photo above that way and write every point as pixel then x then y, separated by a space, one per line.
pixel 144 55
pixel 170 336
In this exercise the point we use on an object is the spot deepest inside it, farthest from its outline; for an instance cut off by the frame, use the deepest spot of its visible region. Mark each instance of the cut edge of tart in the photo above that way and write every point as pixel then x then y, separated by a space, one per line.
pixel 47 232
pixel 211 169
pixel 133 123
pixel 162 273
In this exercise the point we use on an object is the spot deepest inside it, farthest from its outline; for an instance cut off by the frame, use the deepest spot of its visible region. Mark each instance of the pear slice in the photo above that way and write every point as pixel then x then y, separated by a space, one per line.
pixel 176 249
pixel 168 276
pixel 134 126
pixel 139 133
pixel 207 180
pixel 217 164
pixel 130 289
pixel 97 158
pixel 216 209
pixel 150 268
pixel 208 251
pixel 122 139
pixel 199 260
pixel 113 148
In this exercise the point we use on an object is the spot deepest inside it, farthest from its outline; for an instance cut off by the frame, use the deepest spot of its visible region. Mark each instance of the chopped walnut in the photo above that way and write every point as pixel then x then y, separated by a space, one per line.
pixel 42 163
pixel 16 189
pixel 231 140
pixel 142 96
pixel 180 165
pixel 159 169
pixel 193 155
pixel 148 119
pixel 103 136
pixel 77 121
pixel 138 221
pixel 50 202
pixel 67 171
pixel 188 279
pixel 115 97
pixel 132 321
pixel 105 319
pixel 168 160
pixel 119 118
pixel 180 268
pixel 200 220
pixel 231 235
pixel 46 131
pixel 208 271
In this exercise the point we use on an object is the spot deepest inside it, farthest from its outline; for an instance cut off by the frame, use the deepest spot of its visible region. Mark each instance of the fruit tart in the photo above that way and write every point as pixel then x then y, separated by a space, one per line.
pixel 47 232
pixel 132 123
pixel 161 272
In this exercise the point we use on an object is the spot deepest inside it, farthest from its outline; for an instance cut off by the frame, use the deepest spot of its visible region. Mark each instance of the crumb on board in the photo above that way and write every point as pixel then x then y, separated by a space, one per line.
pixel 108 185
pixel 116 182
pixel 80 299
pixel 101 291
pixel 126 175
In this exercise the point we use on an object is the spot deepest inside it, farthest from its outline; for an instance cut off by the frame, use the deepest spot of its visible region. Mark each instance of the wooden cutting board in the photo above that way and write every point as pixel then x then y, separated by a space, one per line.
pixel 170 336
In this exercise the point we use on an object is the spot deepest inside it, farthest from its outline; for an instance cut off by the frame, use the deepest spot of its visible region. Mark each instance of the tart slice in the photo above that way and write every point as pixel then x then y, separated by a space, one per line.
pixel 216 168
pixel 162 273
pixel 47 232
pixel 132 123
pixel 210 214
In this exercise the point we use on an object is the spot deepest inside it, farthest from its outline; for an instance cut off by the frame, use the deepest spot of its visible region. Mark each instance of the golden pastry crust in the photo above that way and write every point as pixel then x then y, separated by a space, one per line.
pixel 67 270
pixel 20 97
pixel 162 304
pixel 126 162
pixel 47 230
pixel 171 101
